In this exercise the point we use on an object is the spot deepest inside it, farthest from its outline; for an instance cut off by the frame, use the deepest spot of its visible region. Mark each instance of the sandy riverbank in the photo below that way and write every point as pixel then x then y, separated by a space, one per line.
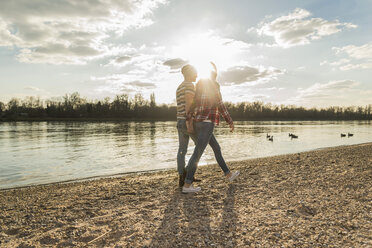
pixel 311 199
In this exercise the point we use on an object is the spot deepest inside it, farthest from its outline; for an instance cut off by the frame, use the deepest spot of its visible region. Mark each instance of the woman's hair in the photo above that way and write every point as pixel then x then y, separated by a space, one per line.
pixel 210 89
pixel 214 72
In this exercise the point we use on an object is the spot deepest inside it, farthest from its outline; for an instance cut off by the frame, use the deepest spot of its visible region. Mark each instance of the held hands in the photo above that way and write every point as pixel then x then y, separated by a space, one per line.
pixel 232 127
pixel 190 126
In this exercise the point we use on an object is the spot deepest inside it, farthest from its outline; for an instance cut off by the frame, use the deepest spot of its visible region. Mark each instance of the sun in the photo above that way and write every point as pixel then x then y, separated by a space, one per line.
pixel 202 48
pixel 198 50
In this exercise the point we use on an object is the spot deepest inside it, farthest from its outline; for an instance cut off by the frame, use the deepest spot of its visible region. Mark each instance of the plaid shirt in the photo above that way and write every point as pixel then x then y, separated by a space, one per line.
pixel 208 104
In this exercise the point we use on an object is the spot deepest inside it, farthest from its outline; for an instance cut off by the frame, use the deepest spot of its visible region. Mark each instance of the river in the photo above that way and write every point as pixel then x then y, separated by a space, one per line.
pixel 45 152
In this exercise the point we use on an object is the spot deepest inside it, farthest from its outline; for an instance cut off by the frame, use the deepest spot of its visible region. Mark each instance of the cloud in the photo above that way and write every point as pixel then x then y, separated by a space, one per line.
pixel 31 91
pixel 140 84
pixel 272 89
pixel 68 31
pixel 339 92
pixel 260 97
pixel 243 74
pixel 335 63
pixel 143 71
pixel 331 86
pixel 32 88
pixel 123 83
pixel 356 52
pixel 356 66
pixel 357 57
pixel 361 56
pixel 143 59
pixel 297 28
pixel 6 37
pixel 175 63
pixel 367 92
pixel 122 59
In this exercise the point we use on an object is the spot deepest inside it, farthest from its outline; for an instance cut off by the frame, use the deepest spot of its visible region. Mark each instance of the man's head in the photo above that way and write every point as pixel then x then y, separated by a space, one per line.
pixel 189 73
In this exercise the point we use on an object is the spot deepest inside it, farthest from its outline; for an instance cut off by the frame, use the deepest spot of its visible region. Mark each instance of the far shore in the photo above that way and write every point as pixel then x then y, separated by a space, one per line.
pixel 320 198
pixel 87 119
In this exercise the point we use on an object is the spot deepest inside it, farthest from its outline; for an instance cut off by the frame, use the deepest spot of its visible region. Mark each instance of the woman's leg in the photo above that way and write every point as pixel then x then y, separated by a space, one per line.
pixel 204 131
pixel 217 153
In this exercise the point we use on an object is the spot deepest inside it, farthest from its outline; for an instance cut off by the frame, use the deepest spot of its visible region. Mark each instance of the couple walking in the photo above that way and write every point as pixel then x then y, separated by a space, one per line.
pixel 198 112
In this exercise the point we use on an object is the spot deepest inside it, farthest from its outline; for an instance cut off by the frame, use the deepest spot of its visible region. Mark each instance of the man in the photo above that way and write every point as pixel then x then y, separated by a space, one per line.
pixel 185 96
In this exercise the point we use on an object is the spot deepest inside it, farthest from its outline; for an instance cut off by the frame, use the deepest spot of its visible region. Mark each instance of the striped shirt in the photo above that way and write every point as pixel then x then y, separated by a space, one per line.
pixel 183 89
pixel 209 104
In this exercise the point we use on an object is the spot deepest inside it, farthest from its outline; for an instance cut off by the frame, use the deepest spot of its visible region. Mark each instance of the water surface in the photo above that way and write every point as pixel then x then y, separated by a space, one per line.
pixel 44 152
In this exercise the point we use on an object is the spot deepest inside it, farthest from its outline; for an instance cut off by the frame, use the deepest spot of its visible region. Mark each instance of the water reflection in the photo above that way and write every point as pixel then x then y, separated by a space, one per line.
pixel 42 152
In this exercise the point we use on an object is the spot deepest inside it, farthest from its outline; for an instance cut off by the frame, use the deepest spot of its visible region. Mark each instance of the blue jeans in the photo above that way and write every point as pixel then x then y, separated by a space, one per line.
pixel 183 140
pixel 205 135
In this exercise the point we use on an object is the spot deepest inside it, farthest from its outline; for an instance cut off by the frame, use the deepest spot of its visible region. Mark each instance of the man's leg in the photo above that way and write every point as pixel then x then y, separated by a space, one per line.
pixel 183 142
pixel 193 137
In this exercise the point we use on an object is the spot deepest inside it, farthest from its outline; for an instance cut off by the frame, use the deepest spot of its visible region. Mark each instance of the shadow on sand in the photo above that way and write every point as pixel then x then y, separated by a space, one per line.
pixel 194 220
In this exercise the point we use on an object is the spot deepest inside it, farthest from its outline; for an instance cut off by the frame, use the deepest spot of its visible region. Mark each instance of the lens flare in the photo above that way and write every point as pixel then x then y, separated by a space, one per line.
pixel 202 48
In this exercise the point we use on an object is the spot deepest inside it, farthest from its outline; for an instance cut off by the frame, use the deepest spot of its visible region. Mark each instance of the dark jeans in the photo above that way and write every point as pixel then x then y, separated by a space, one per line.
pixel 205 135
pixel 183 140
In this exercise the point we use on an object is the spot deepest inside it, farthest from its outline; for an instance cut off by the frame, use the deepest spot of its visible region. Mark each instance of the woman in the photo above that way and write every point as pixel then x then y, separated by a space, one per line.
pixel 207 107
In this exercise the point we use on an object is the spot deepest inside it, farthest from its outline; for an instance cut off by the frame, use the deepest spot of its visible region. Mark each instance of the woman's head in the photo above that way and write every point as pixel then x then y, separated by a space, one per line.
pixel 210 89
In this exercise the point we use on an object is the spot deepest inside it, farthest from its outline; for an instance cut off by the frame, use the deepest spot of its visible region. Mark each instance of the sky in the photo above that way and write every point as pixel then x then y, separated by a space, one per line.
pixel 314 53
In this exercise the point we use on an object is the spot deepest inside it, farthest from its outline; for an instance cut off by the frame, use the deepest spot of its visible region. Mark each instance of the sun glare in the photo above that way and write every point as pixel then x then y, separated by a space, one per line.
pixel 200 49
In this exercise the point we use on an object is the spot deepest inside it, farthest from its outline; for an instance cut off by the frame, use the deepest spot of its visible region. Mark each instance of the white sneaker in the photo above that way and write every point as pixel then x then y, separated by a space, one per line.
pixel 190 189
pixel 234 175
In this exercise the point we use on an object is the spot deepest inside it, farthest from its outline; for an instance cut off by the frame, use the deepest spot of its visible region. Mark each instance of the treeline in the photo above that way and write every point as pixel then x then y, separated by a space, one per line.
pixel 74 106
pixel 268 111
